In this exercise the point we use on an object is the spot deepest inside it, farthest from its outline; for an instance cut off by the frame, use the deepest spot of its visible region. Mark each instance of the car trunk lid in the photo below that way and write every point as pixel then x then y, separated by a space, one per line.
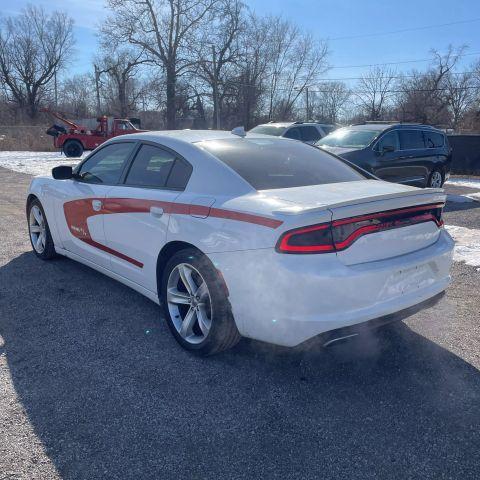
pixel 371 220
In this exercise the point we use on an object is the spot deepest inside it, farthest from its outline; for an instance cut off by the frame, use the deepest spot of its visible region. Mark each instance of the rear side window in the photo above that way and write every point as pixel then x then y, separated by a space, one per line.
pixel 433 139
pixel 411 139
pixel 309 133
pixel 179 175
pixel 158 168
pixel 266 164
pixel 107 164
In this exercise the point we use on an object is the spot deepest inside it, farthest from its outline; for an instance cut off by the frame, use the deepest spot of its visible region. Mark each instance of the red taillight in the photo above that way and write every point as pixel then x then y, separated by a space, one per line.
pixel 340 234
pixel 314 239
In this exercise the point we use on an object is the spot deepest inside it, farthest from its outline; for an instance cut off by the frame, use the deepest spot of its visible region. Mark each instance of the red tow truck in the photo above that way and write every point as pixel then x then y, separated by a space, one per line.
pixel 74 139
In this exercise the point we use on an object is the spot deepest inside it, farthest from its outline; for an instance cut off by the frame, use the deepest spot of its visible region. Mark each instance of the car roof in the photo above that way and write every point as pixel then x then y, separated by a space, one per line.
pixel 188 136
pixel 291 124
pixel 386 126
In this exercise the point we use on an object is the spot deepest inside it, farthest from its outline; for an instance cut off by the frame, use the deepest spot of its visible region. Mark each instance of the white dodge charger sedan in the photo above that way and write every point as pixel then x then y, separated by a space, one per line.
pixel 252 236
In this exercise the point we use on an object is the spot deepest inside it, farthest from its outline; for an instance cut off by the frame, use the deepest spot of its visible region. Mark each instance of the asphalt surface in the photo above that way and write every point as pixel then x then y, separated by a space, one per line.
pixel 93 386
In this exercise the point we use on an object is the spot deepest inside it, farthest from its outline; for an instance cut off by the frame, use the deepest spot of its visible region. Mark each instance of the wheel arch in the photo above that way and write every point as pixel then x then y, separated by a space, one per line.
pixel 167 251
pixel 170 249
pixel 31 197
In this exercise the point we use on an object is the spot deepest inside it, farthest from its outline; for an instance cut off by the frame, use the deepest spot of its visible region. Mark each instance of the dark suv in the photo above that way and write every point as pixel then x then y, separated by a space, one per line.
pixel 413 154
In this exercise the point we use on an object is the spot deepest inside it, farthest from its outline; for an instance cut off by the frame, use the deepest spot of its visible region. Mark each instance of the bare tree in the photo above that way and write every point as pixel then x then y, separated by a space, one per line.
pixel 219 49
pixel 373 91
pixel 460 94
pixel 329 101
pixel 120 65
pixel 163 29
pixel 422 94
pixel 76 96
pixel 34 47
pixel 295 61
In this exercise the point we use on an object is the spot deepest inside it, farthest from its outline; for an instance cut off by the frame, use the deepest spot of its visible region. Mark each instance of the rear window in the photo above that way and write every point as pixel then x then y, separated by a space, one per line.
pixel 268 164
pixel 269 130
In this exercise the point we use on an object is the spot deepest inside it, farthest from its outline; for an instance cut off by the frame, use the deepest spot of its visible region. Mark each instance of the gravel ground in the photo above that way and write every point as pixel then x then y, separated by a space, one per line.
pixel 92 385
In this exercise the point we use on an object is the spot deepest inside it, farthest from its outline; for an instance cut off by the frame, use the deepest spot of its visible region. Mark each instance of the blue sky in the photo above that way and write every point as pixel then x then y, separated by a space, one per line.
pixel 330 20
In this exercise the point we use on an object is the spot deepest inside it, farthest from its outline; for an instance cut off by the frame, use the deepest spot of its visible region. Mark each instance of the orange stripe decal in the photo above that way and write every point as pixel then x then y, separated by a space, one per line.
pixel 77 213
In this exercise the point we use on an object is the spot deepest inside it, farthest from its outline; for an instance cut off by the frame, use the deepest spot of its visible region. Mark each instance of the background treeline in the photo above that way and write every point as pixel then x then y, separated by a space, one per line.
pixel 214 64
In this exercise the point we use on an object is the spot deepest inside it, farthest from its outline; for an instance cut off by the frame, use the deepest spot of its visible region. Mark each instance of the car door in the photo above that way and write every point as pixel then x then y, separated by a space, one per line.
pixel 139 211
pixel 413 158
pixel 385 164
pixel 80 202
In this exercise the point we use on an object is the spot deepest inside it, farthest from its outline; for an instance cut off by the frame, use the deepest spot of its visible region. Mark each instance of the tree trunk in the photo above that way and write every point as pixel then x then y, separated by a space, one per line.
pixel 171 107
pixel 122 98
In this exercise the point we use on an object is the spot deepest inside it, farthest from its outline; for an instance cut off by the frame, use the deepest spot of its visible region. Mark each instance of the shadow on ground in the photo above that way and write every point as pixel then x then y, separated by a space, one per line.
pixel 111 395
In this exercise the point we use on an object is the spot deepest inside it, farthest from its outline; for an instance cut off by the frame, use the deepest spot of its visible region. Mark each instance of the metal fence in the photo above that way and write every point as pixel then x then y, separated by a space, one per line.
pixel 465 154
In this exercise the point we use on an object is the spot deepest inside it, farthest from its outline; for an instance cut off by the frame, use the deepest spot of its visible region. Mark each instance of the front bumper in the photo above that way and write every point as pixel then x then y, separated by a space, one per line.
pixel 287 299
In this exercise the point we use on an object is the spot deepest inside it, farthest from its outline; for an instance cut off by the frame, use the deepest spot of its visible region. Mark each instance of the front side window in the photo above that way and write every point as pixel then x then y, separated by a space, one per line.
pixel 349 138
pixel 106 165
pixel 411 139
pixel 267 164
pixel 389 140
pixel 293 133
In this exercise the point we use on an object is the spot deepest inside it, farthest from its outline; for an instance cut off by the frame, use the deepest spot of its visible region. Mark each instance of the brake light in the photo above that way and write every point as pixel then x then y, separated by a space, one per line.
pixel 314 239
pixel 338 235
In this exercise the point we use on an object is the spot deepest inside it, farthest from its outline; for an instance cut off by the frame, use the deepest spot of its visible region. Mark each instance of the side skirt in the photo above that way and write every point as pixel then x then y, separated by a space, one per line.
pixel 138 288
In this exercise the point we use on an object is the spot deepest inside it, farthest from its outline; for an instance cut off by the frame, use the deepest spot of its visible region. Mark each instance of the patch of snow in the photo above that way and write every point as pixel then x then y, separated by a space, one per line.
pixel 464 182
pixel 35 163
pixel 467 245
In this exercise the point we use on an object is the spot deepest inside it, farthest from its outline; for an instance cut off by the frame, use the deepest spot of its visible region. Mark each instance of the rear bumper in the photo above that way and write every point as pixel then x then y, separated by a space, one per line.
pixel 287 299
pixel 332 336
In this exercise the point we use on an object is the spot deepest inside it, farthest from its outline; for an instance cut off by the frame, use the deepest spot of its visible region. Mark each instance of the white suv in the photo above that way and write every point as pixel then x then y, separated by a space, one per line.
pixel 308 132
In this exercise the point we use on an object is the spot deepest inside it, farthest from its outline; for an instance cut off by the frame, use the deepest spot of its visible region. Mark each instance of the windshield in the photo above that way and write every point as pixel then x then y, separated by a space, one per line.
pixel 276 163
pixel 349 138
pixel 269 130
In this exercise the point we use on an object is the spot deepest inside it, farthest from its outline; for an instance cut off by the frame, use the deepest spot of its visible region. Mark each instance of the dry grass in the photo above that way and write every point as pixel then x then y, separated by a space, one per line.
pixel 22 138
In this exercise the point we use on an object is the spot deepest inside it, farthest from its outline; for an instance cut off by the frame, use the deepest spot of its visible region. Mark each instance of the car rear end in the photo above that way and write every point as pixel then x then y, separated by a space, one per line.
pixel 341 265
pixel 346 253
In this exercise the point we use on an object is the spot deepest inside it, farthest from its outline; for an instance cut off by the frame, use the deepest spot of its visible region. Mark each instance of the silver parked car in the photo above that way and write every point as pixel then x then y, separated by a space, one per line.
pixel 308 132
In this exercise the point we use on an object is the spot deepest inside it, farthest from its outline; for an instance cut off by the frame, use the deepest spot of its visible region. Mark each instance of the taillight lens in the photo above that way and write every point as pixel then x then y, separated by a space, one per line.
pixel 314 239
pixel 340 234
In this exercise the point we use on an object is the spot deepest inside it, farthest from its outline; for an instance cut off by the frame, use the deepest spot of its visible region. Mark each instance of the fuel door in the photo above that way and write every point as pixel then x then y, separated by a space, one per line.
pixel 200 207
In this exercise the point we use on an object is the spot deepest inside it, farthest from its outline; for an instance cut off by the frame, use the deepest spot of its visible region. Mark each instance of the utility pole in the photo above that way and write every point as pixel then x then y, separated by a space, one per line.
pixel 308 105
pixel 97 88
pixel 56 89
pixel 215 89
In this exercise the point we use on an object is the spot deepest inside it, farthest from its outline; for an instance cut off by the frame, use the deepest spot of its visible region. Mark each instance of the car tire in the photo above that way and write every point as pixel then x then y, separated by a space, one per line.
pixel 39 231
pixel 199 316
pixel 436 179
pixel 73 149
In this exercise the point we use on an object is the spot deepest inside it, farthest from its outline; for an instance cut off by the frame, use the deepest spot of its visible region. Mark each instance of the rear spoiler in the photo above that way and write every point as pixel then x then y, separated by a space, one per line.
pixel 423 196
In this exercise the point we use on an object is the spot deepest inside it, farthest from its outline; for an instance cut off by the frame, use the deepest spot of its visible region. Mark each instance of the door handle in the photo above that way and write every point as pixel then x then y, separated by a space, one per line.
pixel 156 212
pixel 97 205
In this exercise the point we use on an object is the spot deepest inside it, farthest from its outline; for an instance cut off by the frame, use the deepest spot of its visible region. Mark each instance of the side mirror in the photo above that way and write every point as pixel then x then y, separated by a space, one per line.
pixel 63 172
pixel 387 148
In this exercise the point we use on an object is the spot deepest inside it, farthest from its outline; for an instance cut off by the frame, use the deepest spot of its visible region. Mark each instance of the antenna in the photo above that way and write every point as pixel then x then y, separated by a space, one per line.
pixel 239 131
